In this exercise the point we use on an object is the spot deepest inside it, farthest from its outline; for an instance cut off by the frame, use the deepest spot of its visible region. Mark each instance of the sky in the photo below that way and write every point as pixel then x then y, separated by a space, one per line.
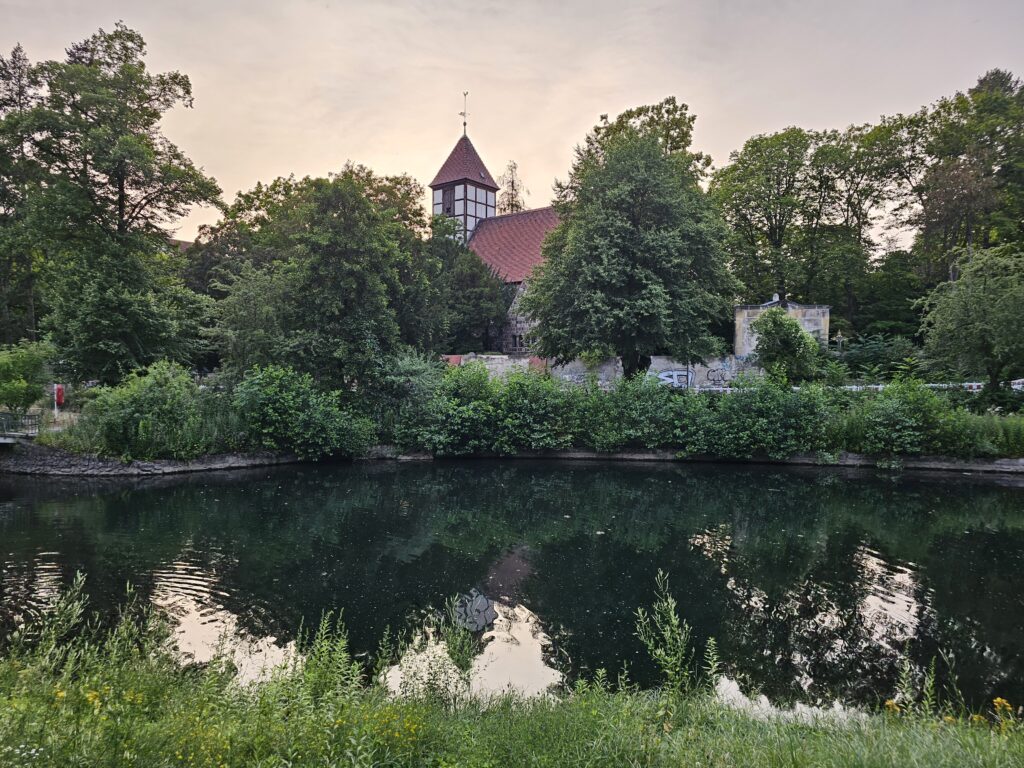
pixel 301 86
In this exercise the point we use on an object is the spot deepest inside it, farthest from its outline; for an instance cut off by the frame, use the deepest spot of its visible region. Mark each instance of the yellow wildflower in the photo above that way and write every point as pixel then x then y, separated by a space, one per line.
pixel 891 706
pixel 949 719
pixel 60 694
pixel 1001 706
pixel 978 720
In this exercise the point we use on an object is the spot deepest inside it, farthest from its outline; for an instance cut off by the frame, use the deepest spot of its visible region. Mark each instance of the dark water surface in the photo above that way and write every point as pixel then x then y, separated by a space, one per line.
pixel 813 582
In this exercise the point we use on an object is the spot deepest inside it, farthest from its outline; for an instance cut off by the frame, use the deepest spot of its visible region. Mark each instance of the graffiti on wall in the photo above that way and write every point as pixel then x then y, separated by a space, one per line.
pixel 675 377
pixel 719 372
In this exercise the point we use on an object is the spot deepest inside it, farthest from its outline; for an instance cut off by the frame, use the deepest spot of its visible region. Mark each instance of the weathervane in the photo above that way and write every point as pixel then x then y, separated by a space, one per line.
pixel 464 112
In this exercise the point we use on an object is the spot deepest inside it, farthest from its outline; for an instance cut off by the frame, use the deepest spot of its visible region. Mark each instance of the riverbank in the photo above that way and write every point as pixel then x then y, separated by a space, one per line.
pixel 27 458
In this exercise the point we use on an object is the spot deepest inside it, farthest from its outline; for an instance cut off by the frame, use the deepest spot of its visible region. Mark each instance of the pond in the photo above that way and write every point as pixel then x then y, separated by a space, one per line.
pixel 813 582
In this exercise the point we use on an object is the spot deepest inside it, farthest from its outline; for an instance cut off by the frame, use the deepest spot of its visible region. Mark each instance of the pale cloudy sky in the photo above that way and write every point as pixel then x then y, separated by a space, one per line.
pixel 300 86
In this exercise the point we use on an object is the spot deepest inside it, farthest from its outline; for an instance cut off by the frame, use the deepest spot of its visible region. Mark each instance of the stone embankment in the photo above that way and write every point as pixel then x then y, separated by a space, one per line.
pixel 28 458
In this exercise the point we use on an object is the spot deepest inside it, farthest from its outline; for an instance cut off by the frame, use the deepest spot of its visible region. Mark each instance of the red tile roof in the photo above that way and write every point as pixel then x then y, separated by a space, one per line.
pixel 464 163
pixel 510 244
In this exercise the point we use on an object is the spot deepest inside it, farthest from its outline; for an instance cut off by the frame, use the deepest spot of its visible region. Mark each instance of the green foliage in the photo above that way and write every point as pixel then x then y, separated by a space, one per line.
pixel 23 375
pixel 470 413
pixel 459 419
pixel 107 321
pixel 878 357
pixel 332 277
pixel 157 414
pixel 475 299
pixel 635 413
pixel 533 412
pixel 283 410
pixel 971 325
pixel 97 184
pixel 634 268
pixel 907 418
pixel 764 417
pixel 667 638
pixel 784 348
pixel 405 387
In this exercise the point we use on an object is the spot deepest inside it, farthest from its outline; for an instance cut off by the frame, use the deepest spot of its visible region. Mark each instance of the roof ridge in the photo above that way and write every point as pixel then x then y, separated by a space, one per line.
pixel 518 213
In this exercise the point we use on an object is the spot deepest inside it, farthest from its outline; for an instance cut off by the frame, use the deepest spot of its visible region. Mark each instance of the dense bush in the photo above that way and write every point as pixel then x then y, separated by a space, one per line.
pixel 158 413
pixel 908 418
pixel 458 419
pixel 784 348
pixel 879 357
pixel 636 413
pixel 471 413
pixel 765 417
pixel 23 375
pixel 533 412
pixel 283 410
pixel 409 380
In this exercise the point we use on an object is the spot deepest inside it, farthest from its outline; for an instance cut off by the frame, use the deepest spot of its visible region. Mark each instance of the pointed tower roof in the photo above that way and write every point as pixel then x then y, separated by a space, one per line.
pixel 464 164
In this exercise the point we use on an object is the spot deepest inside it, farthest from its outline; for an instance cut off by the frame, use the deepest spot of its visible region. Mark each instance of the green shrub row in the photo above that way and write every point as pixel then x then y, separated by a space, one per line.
pixel 470 413
pixel 163 413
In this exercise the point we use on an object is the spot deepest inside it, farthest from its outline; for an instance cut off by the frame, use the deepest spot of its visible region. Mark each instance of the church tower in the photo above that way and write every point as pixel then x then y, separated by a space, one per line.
pixel 464 189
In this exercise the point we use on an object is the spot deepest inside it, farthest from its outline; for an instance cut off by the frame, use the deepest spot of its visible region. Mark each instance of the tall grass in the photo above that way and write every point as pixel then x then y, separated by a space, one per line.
pixel 71 695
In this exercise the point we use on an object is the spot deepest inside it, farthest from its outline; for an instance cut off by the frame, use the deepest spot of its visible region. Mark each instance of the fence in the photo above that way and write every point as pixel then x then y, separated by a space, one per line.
pixel 26 424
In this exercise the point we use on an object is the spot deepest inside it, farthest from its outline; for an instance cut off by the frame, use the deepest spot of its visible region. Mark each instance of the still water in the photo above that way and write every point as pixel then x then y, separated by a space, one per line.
pixel 813 582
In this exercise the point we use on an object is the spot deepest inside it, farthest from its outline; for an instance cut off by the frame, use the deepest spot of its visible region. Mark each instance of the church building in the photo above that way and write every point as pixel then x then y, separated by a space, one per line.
pixel 509 244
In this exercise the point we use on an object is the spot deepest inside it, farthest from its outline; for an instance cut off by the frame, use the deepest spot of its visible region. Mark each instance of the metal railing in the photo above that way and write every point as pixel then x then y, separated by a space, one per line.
pixel 19 425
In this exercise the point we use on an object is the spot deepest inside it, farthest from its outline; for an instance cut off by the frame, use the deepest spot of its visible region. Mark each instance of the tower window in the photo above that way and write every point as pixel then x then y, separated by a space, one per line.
pixel 460 191
pixel 437 196
pixel 459 205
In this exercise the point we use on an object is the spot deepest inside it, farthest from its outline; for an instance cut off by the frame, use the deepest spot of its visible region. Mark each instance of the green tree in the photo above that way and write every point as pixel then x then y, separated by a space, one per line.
pixel 634 268
pixel 785 349
pixel 972 325
pixel 762 195
pixel 105 183
pixel 511 196
pixel 19 175
pixel 328 302
pixel 475 300
pixel 23 375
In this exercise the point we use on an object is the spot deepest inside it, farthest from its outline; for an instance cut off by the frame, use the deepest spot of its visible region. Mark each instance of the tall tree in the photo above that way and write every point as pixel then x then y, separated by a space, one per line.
pixel 511 198
pixel 762 195
pixel 107 182
pixel 475 301
pixel 972 324
pixel 19 174
pixel 634 268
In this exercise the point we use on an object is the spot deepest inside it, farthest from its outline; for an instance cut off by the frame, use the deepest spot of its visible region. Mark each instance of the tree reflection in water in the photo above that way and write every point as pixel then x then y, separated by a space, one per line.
pixel 812 581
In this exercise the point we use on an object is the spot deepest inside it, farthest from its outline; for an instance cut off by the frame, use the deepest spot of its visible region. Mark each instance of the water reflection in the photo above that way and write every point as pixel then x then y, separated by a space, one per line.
pixel 812 581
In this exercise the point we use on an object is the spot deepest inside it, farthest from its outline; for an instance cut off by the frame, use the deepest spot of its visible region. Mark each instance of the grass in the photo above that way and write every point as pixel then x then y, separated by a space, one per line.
pixel 74 696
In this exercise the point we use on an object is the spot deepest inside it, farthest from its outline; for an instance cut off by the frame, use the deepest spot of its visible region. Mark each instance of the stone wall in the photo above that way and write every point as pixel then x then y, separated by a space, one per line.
pixel 513 333
pixel 716 372
pixel 813 318
pixel 28 458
